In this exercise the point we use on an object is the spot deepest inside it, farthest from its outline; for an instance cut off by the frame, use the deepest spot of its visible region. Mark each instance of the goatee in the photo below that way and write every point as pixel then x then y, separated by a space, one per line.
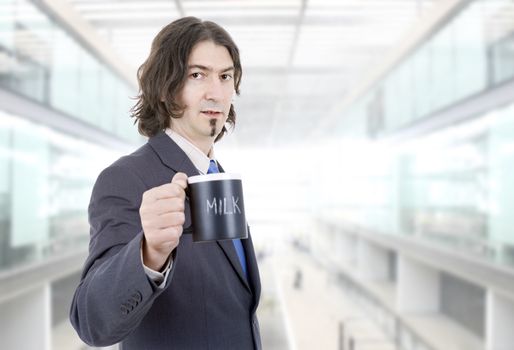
pixel 213 127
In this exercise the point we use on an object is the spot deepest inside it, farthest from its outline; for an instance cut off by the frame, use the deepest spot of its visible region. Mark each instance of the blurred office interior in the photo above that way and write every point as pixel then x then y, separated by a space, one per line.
pixel 375 139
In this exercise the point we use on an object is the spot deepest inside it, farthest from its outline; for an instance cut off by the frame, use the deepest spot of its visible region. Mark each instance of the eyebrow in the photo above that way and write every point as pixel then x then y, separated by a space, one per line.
pixel 202 67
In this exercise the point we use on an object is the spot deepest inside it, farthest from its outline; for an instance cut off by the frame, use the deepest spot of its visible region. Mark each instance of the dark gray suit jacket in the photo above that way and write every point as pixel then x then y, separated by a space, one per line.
pixel 206 303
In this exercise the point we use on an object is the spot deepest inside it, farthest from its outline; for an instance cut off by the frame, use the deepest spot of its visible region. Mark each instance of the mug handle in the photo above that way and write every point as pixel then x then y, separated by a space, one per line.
pixel 188 230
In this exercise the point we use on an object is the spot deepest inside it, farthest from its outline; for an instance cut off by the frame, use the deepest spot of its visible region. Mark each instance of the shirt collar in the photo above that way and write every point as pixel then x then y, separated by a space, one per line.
pixel 197 157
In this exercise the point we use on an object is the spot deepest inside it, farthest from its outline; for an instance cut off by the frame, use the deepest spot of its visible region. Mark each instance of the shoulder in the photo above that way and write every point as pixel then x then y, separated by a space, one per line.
pixel 142 168
pixel 128 168
pixel 141 158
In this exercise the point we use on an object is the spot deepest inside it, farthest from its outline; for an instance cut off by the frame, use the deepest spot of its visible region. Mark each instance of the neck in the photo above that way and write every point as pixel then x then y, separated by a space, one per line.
pixel 204 145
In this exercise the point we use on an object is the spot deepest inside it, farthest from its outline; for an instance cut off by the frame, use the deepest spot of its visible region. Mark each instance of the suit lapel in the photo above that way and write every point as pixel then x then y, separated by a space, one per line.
pixel 252 269
pixel 230 252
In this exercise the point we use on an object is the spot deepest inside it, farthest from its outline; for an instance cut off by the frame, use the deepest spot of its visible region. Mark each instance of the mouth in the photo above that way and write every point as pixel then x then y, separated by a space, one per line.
pixel 212 113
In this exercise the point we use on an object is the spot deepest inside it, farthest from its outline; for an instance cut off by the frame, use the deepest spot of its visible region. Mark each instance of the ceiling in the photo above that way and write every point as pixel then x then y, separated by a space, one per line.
pixel 299 57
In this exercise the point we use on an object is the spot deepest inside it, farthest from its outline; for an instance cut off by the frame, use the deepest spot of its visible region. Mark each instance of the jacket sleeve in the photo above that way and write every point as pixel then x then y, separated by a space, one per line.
pixel 114 293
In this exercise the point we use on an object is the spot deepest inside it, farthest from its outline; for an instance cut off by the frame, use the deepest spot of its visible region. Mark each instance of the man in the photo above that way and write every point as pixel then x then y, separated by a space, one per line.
pixel 145 283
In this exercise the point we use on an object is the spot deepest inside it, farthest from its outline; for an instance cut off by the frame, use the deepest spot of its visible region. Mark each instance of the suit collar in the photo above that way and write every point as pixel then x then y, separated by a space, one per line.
pixel 171 154
pixel 199 159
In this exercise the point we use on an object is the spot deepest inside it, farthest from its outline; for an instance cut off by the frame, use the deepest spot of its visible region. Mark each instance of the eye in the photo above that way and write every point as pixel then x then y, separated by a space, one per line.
pixel 226 77
pixel 196 75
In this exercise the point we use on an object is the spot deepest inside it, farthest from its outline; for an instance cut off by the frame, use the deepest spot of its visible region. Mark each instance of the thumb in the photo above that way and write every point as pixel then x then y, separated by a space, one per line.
pixel 180 179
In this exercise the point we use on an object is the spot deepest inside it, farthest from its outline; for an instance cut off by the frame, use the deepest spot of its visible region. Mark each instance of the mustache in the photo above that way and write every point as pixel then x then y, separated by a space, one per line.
pixel 212 106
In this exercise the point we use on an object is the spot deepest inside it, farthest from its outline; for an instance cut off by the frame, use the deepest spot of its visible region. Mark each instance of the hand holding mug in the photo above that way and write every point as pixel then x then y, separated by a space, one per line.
pixel 162 217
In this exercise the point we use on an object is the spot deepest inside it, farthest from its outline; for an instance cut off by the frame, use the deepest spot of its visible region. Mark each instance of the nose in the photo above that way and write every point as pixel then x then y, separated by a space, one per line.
pixel 214 90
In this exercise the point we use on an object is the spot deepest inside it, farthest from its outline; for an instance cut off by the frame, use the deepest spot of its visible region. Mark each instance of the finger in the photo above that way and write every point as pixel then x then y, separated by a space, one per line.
pixel 180 179
pixel 168 205
pixel 169 220
pixel 169 190
pixel 170 233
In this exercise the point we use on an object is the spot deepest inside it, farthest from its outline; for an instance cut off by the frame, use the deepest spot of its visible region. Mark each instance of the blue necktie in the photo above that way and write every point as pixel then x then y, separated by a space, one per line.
pixel 213 168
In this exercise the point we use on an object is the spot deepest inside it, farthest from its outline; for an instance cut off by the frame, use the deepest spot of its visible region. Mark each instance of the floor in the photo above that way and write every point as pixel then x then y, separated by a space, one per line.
pixel 318 315
pixel 302 307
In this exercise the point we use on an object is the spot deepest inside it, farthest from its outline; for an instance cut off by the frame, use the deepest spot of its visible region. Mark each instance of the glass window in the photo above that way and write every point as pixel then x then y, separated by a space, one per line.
pixel 501 168
pixel 402 94
pixel 124 124
pixel 442 68
pixel 42 61
pixel 7 8
pixel 108 100
pixel 502 59
pixel 5 185
pixel 390 102
pixel 45 184
pixel 499 34
pixel 64 85
pixel 89 82
pixel 32 47
pixel 422 81
pixel 470 52
pixel 29 212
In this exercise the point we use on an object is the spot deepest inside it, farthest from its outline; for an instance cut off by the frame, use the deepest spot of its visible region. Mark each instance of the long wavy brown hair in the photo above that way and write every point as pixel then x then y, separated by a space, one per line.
pixel 162 76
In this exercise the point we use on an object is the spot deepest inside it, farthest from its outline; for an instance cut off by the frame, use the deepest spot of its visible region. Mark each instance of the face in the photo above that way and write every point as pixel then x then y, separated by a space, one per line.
pixel 207 93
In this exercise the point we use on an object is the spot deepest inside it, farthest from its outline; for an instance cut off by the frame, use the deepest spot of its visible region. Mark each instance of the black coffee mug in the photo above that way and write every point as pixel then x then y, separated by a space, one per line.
pixel 217 207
